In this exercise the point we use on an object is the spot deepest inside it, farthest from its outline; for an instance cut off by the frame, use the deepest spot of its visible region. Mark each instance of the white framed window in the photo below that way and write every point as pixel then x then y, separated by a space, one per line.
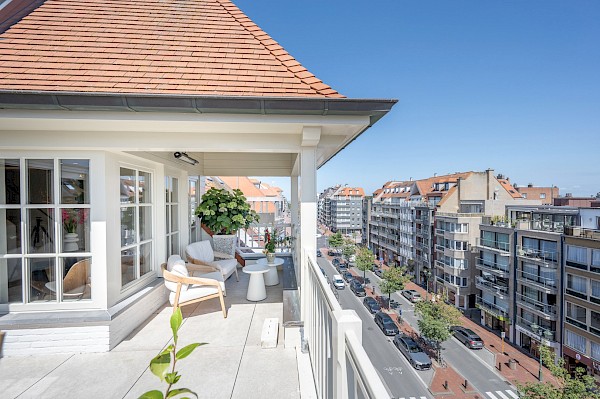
pixel 45 230
pixel 596 257
pixel 172 215
pixel 577 283
pixel 542 195
pixel 136 224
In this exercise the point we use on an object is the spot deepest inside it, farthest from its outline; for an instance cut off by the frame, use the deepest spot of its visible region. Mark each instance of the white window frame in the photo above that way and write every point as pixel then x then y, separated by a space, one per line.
pixel 170 205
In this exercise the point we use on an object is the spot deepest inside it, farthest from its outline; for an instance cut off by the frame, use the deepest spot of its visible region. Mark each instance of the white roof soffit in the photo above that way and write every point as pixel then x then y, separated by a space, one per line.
pixel 161 123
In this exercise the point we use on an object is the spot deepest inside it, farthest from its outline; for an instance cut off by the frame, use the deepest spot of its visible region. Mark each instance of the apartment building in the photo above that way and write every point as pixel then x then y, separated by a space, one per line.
pixel 347 210
pixel 545 194
pixel 458 217
pixel 366 216
pixel 424 235
pixel 581 315
pixel 324 205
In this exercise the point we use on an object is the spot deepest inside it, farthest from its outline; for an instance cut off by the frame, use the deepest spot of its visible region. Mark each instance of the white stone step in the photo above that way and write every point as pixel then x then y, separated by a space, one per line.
pixel 270 332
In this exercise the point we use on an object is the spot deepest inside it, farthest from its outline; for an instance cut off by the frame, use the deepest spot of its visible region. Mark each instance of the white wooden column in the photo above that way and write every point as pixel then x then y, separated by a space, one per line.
pixel 308 201
pixel 295 225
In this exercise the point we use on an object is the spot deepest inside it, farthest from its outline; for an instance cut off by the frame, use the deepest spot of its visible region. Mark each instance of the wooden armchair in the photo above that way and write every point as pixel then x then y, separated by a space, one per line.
pixel 201 253
pixel 186 290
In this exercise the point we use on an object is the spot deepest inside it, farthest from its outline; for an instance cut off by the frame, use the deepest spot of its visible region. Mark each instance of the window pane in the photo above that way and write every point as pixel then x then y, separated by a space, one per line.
pixel 145 258
pixel 128 265
pixel 74 181
pixel 145 188
pixel 42 279
pixel 595 320
pixel 174 189
pixel 145 223
pixel 11 243
pixel 127 186
pixel 40 181
pixel 75 229
pixel 76 278
pixel 127 226
pixel 11 288
pixel 41 230
pixel 174 244
pixel 596 257
pixel 577 254
pixel 595 288
pixel 167 189
pixel 11 178
pixel 174 218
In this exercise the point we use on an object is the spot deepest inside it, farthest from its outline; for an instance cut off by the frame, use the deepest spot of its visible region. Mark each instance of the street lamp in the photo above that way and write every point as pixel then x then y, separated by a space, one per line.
pixel 542 332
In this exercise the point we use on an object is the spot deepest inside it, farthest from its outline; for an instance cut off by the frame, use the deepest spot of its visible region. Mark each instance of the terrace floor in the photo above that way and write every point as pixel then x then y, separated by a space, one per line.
pixel 232 364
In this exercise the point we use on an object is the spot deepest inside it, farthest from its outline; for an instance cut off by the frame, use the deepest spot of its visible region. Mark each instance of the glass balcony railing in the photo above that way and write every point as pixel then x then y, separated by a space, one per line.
pixel 492 267
pixel 546 257
pixel 548 333
pixel 492 308
pixel 548 311
pixel 546 283
pixel 492 244
pixel 490 286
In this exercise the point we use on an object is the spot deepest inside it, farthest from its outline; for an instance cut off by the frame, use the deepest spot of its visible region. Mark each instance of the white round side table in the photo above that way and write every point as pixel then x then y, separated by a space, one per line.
pixel 271 278
pixel 256 285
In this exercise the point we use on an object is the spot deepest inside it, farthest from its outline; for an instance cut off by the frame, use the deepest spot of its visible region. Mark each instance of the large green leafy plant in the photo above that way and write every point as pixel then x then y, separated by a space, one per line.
pixel 225 212
pixel 163 364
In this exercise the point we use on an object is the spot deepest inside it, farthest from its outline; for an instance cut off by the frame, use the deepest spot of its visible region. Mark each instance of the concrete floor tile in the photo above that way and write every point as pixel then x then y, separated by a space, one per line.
pixel 153 334
pixel 267 373
pixel 17 374
pixel 97 375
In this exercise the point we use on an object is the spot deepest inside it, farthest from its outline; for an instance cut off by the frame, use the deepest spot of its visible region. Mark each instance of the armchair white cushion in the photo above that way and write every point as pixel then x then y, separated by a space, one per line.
pixel 201 253
pixel 185 289
pixel 178 266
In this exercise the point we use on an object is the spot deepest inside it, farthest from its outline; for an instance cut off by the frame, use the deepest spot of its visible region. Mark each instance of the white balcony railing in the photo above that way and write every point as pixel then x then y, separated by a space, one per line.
pixel 341 367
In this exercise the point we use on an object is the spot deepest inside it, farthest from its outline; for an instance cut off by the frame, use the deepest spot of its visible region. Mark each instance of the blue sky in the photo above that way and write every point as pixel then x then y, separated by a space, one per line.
pixel 508 85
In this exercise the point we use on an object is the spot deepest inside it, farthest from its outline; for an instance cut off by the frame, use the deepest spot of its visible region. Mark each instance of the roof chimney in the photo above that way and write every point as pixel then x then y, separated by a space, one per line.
pixel 568 195
pixel 500 176
pixel 435 175
pixel 529 184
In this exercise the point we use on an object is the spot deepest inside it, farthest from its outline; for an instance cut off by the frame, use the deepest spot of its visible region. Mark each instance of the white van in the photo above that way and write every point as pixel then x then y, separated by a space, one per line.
pixel 338 282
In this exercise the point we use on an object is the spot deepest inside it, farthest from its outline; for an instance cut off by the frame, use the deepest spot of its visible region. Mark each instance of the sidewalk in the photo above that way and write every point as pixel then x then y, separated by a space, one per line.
pixel 527 368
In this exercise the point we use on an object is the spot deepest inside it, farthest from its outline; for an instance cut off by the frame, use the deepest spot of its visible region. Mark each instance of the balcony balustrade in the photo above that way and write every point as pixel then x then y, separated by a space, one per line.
pixel 499 312
pixel 526 324
pixel 547 311
pixel 494 288
pixel 491 267
pixel 492 244
pixel 549 259
pixel 341 367
pixel 540 282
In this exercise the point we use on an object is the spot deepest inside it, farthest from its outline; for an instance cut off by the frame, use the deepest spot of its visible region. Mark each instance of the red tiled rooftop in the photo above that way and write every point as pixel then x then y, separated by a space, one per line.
pixel 197 47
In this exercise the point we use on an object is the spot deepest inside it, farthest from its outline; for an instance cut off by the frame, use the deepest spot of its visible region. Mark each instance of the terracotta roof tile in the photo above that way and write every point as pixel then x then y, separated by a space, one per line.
pixel 152 46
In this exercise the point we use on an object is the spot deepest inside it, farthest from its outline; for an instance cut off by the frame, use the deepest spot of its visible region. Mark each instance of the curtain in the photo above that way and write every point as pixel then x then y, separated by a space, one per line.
pixel 577 254
pixel 596 257
pixel 530 243
pixel 530 270
pixel 503 241
pixel 595 288
pixel 577 283
pixel 575 341
pixel 548 276
pixel 595 351
pixel 549 249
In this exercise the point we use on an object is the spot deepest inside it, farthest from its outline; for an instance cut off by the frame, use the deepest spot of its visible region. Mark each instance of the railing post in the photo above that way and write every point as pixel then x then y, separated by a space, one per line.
pixel 343 321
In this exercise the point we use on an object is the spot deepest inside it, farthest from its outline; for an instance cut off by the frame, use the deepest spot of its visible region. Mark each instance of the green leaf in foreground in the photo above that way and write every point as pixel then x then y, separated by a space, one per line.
pixel 186 350
pixel 152 395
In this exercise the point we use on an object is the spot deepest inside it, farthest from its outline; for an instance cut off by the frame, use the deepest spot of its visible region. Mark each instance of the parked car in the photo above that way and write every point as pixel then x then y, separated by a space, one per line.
pixel 338 282
pixel 385 322
pixel 468 337
pixel 371 305
pixel 413 353
pixel 412 295
pixel 379 273
pixel 348 276
pixel 319 254
pixel 335 261
pixel 331 252
pixel 357 288
pixel 342 267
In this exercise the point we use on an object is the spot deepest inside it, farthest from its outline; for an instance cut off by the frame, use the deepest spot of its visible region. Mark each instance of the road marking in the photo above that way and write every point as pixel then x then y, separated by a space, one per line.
pixel 502 395
pixel 413 397
pixel 511 393
pixel 491 395
pixel 391 370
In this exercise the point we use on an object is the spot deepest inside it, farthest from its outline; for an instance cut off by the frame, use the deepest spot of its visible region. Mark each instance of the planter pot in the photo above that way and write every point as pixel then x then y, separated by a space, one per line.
pixel 270 257
pixel 225 243
pixel 70 242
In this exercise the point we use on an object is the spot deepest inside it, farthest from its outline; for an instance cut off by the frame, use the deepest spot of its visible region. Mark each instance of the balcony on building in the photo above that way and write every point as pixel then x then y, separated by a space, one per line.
pixel 493 245
pixel 494 287
pixel 488 306
pixel 546 311
pixel 550 334
pixel 547 284
pixel 545 258
pixel 492 267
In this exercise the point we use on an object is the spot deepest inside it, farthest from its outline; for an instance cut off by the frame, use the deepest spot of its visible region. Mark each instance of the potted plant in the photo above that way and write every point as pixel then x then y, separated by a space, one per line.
pixel 269 250
pixel 72 218
pixel 224 212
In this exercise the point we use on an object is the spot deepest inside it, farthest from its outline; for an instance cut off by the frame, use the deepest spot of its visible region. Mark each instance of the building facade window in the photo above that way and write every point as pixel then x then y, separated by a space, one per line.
pixel 577 254
pixel 596 257
pixel 576 315
pixel 576 285
pixel 172 215
pixel 595 350
pixel 136 224
pixel 575 341
pixel 45 251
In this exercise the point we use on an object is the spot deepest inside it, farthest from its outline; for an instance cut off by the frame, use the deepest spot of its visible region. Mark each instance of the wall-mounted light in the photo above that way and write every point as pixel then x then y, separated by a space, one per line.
pixel 182 156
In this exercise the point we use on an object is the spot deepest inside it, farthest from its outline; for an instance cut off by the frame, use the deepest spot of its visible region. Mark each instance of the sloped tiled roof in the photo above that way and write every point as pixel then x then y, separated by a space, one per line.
pixel 350 191
pixel 196 47
pixel 509 188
